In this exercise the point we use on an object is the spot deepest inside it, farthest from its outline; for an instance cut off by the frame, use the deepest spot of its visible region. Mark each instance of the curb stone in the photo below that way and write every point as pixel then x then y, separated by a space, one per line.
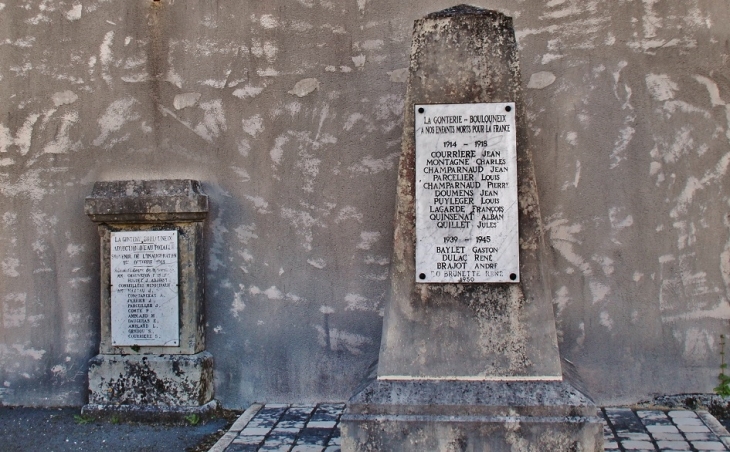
pixel 236 428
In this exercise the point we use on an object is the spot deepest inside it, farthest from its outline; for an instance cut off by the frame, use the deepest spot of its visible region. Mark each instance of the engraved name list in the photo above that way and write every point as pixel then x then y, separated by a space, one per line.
pixel 144 284
pixel 466 193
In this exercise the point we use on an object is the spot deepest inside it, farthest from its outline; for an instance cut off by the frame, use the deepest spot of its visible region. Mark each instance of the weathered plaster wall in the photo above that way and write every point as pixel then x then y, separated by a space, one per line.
pixel 290 113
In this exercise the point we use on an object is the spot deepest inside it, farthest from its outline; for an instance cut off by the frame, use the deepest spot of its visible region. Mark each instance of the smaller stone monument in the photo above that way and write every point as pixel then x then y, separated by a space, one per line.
pixel 152 359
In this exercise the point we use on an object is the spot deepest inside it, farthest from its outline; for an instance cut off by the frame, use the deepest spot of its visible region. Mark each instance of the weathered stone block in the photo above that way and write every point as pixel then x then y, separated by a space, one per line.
pixel 146 201
pixel 143 380
pixel 468 415
pixel 455 432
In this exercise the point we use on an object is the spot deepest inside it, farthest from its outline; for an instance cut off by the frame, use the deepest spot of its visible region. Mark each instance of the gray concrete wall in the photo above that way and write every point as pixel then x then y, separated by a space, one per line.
pixel 290 113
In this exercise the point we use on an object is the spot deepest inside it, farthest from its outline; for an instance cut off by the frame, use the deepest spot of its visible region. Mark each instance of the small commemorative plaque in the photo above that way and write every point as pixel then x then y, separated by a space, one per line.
pixel 144 286
pixel 466 193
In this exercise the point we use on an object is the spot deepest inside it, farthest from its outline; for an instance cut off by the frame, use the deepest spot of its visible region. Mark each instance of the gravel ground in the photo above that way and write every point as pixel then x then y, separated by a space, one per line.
pixel 63 429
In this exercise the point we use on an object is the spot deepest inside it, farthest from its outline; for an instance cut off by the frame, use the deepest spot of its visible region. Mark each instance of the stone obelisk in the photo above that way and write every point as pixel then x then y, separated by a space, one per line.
pixel 469 357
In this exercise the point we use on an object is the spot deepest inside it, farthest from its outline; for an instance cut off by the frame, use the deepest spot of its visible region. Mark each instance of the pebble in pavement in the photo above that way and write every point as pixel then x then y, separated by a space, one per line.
pixel 315 428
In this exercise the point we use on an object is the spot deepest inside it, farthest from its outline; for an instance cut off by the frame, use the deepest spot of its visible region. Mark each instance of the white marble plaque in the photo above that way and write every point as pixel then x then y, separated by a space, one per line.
pixel 144 288
pixel 466 193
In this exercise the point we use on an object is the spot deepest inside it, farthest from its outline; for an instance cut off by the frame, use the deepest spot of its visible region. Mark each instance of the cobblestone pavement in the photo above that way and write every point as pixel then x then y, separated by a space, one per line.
pixel 681 430
pixel 315 428
pixel 285 428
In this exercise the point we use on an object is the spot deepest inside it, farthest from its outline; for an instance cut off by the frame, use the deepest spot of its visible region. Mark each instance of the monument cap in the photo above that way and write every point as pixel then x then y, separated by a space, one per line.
pixel 146 200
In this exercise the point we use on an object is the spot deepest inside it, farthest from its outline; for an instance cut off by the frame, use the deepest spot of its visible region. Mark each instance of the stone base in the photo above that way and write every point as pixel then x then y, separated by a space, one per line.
pixel 154 382
pixel 465 415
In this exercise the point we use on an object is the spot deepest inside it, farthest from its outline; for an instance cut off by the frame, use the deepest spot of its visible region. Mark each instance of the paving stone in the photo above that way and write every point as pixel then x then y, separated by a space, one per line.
pixel 662 429
pixel 290 424
pixel 693 429
pixel 333 407
pixel 272 411
pixel 660 421
pixel 708 445
pixel 651 415
pixel 665 421
pixel 328 412
pixel 637 445
pixel 320 416
pixel 255 431
pixel 610 445
pixel 634 436
pixel 673 445
pixel 266 422
pixel 297 413
pixel 624 420
pixel 682 414
pixel 332 449
pixel 321 424
pixel 280 448
pixel 668 436
pixel 252 440
pixel 701 437
pixel 314 436
pixel 257 421
pixel 281 438
pixel 688 421
pixel 242 448
pixel 280 429
pixel 307 448
pixel 267 418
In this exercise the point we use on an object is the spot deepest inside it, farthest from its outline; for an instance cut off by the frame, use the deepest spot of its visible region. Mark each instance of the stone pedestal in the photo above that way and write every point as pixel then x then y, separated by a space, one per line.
pixel 152 359
pixel 430 415
pixel 466 365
